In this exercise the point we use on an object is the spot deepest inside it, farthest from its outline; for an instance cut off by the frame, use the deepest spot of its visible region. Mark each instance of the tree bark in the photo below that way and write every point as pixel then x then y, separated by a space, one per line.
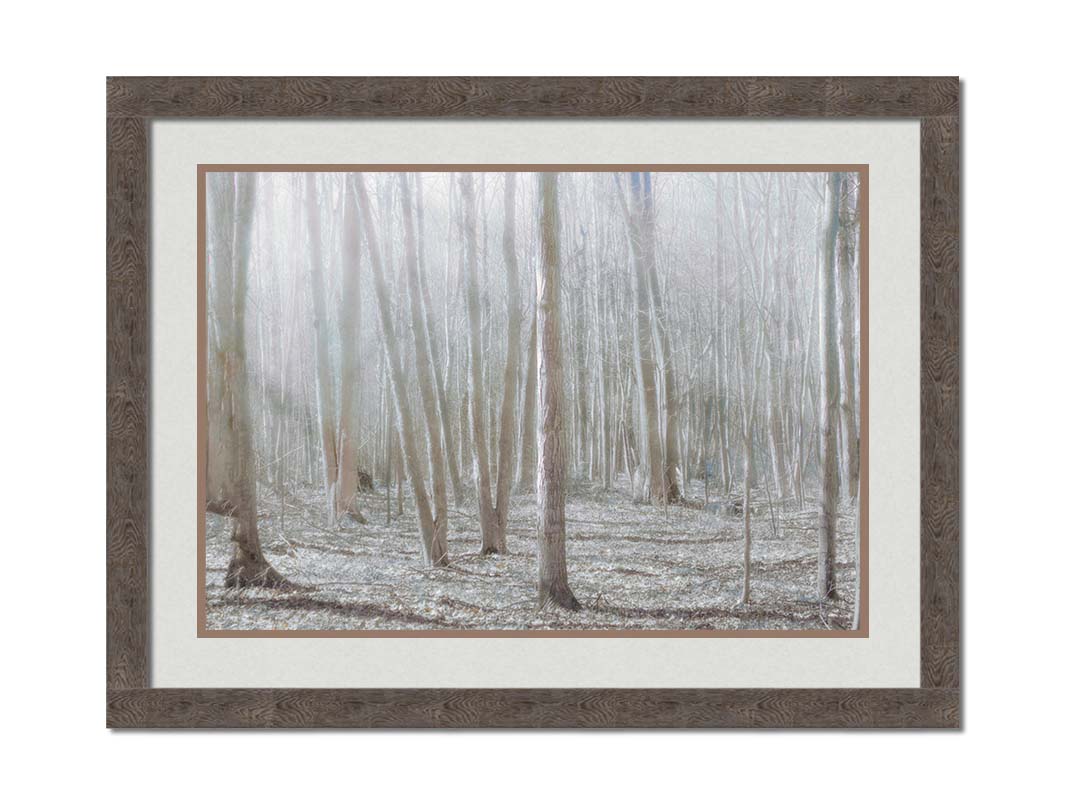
pixel 492 535
pixel 747 409
pixel 846 270
pixel 230 218
pixel 748 406
pixel 829 394
pixel 552 588
pixel 443 404
pixel 423 367
pixel 222 443
pixel 506 445
pixel 351 360
pixel 434 541
pixel 671 465
pixel 722 375
pixel 323 374
pixel 650 487
pixel 528 465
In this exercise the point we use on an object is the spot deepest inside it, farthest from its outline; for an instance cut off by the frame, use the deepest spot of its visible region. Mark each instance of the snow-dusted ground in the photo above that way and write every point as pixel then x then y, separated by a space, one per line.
pixel 629 566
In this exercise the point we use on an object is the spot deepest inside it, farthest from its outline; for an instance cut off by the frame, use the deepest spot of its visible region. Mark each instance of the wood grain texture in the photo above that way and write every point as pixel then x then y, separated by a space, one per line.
pixel 127 402
pixel 940 402
pixel 133 102
pixel 533 708
pixel 532 97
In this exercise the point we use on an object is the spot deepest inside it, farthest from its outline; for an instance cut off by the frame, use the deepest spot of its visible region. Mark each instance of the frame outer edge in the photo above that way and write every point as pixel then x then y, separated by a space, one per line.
pixel 127 403
pixel 526 97
pixel 940 402
pixel 131 101
pixel 533 708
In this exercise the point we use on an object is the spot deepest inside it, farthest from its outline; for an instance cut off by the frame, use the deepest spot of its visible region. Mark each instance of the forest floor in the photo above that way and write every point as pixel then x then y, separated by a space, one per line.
pixel 630 566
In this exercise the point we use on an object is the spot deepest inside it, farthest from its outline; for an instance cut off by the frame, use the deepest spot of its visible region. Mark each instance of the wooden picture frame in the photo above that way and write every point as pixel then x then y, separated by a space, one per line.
pixel 133 102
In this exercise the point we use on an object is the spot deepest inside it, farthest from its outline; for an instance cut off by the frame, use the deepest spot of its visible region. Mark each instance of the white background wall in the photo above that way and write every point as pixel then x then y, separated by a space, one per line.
pixel 52 318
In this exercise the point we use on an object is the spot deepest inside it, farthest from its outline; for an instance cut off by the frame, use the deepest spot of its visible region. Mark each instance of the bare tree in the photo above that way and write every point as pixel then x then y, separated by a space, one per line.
pixel 492 516
pixel 672 491
pixel 324 375
pixel 351 325
pixel 230 211
pixel 748 369
pixel 650 487
pixel 847 250
pixel 829 400
pixel 423 367
pixel 443 403
pixel 528 459
pixel 492 536
pixel 552 585
pixel 434 529
pixel 506 446
pixel 721 389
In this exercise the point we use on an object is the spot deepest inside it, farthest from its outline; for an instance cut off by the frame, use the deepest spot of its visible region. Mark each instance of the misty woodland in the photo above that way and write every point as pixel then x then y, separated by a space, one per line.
pixel 532 400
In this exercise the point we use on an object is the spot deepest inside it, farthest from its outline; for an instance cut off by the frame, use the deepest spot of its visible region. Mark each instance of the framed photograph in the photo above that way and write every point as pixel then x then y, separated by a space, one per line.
pixel 533 402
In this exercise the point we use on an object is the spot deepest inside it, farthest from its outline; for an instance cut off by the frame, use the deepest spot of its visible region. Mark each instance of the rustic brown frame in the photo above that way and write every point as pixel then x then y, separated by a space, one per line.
pixel 133 102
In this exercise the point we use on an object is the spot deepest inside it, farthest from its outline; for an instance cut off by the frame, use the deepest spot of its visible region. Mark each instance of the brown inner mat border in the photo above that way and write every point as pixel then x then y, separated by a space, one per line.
pixel 203 631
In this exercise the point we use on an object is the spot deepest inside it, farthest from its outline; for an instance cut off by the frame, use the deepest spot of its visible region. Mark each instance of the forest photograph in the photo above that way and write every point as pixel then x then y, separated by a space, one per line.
pixel 612 399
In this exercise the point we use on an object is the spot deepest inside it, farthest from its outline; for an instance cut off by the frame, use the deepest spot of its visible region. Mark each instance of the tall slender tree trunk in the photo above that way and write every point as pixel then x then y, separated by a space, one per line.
pixel 607 467
pixel 722 380
pixel 424 369
pixel 579 327
pixel 774 432
pixel 351 360
pixel 552 585
pixel 443 404
pixel 747 410
pixel 746 553
pixel 846 307
pixel 230 214
pixel 671 462
pixel 650 486
pixel 434 542
pixel 492 536
pixel 528 463
pixel 506 447
pixel 324 379
pixel 829 400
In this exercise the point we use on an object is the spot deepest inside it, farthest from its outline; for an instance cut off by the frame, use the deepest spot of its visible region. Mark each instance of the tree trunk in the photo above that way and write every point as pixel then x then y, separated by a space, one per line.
pixel 222 443
pixel 651 484
pixel 528 466
pixel 492 535
pixel 506 445
pixel 230 218
pixel 351 361
pixel 671 469
pixel 552 587
pixel 423 368
pixel 846 269
pixel 603 428
pixel 443 405
pixel 579 327
pixel 722 379
pixel 324 379
pixel 434 542
pixel 747 410
pixel 746 556
pixel 829 398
